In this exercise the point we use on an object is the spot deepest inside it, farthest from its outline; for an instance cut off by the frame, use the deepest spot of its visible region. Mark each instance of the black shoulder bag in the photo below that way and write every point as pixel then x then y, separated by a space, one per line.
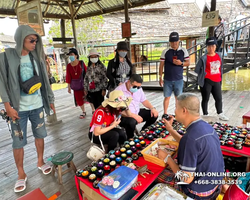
pixel 34 83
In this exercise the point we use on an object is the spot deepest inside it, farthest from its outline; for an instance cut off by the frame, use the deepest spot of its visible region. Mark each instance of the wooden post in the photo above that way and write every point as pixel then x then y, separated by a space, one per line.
pixel 213 8
pixel 74 31
pixel 127 20
pixel 63 35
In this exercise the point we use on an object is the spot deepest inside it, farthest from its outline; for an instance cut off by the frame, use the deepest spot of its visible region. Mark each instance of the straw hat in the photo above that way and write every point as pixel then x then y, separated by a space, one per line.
pixel 93 52
pixel 117 99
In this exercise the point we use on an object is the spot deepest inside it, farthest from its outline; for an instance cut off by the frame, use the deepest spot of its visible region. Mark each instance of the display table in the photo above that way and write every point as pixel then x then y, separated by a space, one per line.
pixel 85 187
pixel 231 151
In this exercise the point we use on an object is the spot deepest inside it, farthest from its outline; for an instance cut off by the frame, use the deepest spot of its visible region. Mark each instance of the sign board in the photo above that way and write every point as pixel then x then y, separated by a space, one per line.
pixel 62 39
pixel 126 30
pixel 31 14
pixel 65 50
pixel 210 18
pixel 63 45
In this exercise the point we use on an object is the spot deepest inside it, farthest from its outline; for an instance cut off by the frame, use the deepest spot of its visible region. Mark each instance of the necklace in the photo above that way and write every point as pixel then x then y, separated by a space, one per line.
pixel 75 70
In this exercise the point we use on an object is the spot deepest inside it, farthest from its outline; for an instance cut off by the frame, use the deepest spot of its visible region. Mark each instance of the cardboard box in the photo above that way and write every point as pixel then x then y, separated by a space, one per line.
pixel 89 194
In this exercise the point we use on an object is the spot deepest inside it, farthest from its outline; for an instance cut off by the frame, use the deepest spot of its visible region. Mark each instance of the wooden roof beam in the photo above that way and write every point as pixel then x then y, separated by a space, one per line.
pixel 136 4
pixel 17 4
pixel 129 2
pixel 11 12
pixel 63 8
pixel 70 8
pixel 46 9
pixel 100 8
pixel 78 8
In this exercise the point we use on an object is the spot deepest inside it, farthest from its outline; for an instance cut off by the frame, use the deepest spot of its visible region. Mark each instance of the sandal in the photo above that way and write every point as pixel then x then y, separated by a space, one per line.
pixel 20 183
pixel 44 168
pixel 82 116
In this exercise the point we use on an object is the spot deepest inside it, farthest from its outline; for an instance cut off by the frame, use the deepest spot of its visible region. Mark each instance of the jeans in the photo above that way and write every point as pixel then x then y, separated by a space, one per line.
pixel 169 86
pixel 36 118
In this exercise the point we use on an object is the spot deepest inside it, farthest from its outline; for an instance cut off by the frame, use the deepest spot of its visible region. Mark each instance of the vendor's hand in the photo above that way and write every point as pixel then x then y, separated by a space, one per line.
pixel 168 123
pixel 161 82
pixel 69 90
pixel 162 154
pixel 12 113
pixel 138 118
pixel 53 107
pixel 177 62
pixel 85 92
pixel 154 113
pixel 116 122
pixel 103 93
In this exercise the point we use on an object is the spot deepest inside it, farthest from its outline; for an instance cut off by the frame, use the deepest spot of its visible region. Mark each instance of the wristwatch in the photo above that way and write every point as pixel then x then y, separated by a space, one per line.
pixel 182 63
pixel 166 159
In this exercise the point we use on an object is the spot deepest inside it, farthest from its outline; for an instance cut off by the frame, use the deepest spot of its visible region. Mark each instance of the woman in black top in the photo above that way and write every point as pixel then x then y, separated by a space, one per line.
pixel 120 68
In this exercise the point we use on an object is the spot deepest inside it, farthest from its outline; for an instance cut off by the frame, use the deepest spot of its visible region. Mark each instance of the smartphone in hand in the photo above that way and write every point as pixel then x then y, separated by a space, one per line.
pixel 174 58
pixel 119 117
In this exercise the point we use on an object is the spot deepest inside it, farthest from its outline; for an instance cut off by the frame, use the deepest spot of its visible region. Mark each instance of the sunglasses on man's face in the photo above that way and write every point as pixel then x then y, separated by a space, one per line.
pixel 32 41
pixel 138 87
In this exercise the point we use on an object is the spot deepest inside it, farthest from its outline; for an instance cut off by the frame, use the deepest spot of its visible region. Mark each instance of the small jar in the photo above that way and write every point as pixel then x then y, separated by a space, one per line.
pixel 124 156
pixel 106 161
pixel 107 168
pixel 85 174
pixel 112 164
pixel 94 169
pixel 100 173
pixel 92 177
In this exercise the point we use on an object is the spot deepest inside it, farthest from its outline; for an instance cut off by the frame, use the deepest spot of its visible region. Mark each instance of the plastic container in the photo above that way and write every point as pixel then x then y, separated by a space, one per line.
pixel 126 178
pixel 155 160
pixel 158 192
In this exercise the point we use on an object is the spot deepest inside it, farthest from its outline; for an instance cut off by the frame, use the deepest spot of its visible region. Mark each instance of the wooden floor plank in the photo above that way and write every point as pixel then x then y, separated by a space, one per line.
pixel 72 135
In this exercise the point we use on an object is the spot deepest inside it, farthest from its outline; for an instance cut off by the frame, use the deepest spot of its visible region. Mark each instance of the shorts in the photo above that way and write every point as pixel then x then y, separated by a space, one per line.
pixel 169 86
pixel 36 118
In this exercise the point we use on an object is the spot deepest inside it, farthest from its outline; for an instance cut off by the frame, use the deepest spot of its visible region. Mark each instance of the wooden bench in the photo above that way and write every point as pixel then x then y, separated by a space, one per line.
pixel 246 119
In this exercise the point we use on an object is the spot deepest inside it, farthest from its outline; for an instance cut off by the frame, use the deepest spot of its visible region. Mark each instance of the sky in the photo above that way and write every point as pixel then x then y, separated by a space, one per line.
pixel 8 27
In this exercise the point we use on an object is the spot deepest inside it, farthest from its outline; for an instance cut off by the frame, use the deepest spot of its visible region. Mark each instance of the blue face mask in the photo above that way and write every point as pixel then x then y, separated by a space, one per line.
pixel 122 54
pixel 133 90
pixel 72 58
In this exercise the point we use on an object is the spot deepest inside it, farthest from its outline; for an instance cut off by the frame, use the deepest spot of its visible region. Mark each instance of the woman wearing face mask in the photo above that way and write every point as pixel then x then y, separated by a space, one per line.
pixel 74 71
pixel 120 68
pixel 95 81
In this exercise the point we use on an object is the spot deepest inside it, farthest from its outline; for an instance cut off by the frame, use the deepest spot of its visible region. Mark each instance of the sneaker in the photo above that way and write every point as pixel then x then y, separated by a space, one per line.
pixel 206 115
pixel 223 117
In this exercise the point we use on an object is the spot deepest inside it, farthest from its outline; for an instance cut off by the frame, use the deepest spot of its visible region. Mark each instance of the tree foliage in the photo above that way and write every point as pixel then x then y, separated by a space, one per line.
pixel 88 30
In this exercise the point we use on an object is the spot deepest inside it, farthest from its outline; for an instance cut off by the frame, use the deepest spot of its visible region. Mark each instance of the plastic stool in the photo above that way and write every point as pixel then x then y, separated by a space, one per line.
pixel 61 159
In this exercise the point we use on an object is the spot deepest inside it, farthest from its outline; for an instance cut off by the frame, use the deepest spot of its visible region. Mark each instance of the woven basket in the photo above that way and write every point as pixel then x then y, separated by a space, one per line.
pixel 153 159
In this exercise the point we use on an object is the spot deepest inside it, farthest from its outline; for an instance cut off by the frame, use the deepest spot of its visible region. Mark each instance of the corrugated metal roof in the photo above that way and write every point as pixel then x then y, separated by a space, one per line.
pixel 59 9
